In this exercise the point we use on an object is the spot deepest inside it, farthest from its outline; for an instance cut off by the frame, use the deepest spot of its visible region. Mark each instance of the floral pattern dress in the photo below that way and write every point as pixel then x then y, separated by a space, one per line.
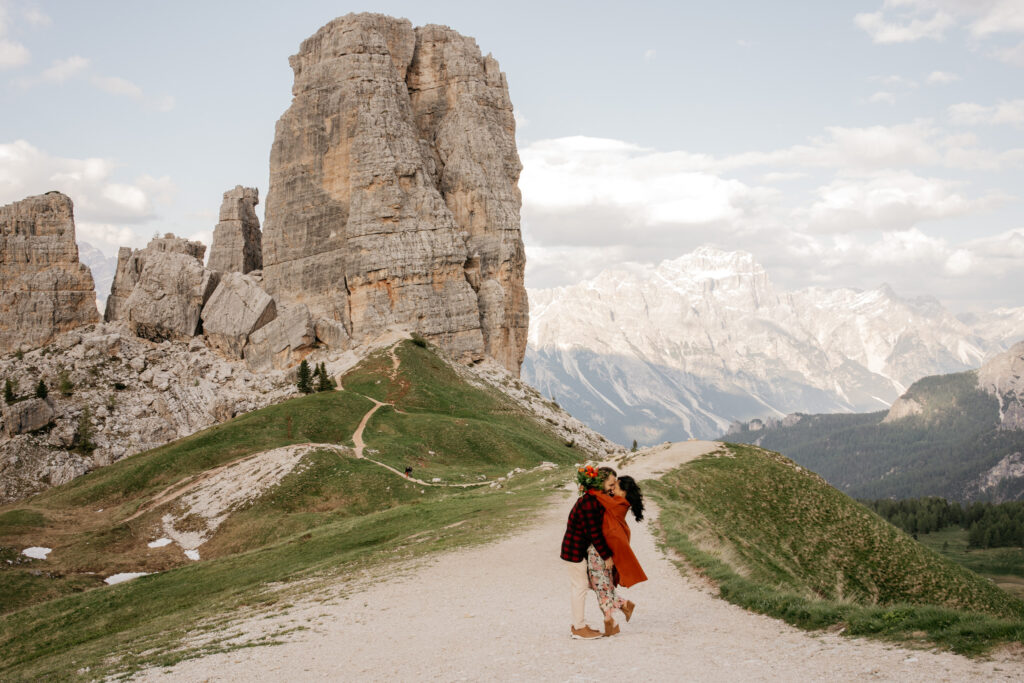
pixel 602 582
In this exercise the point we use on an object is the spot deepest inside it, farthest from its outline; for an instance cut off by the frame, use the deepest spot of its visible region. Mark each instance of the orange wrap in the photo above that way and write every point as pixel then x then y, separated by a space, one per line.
pixel 616 533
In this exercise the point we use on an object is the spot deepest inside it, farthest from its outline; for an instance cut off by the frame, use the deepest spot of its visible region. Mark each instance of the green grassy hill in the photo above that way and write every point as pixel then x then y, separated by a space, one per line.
pixel 940 452
pixel 330 515
pixel 777 539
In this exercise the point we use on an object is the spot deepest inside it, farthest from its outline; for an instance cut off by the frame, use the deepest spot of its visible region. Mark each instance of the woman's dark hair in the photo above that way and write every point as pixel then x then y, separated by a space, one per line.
pixel 631 490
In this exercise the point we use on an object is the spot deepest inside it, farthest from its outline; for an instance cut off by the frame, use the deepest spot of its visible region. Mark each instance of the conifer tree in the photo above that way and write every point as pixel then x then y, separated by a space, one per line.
pixel 41 390
pixel 9 391
pixel 304 383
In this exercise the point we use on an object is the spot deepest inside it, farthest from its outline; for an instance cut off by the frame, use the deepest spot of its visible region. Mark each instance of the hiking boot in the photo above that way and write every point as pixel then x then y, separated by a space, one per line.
pixel 610 628
pixel 627 609
pixel 585 633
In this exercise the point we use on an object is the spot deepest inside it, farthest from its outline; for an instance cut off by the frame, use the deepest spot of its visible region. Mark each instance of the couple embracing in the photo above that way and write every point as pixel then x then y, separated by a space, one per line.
pixel 596 547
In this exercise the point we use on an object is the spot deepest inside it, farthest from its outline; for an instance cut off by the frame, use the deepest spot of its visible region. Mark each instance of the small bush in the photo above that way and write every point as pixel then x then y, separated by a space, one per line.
pixel 64 384
pixel 119 386
pixel 41 390
pixel 418 340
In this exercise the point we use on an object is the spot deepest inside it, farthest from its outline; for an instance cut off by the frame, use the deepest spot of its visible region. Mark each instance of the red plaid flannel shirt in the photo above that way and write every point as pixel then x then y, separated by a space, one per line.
pixel 584 530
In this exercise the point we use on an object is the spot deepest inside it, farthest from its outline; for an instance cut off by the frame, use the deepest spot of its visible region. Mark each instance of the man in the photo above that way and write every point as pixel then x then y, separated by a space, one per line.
pixel 582 530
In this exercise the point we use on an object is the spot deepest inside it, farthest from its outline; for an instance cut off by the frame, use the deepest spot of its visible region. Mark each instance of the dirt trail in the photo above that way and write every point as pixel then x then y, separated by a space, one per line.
pixel 501 612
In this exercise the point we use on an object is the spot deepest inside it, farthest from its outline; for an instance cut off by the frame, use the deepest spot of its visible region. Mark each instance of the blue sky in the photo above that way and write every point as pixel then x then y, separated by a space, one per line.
pixel 843 144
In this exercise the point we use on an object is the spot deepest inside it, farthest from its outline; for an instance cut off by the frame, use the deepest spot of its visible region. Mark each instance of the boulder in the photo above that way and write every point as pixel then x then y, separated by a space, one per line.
pixel 333 334
pixel 27 416
pixel 44 289
pixel 236 309
pixel 282 342
pixel 166 301
pixel 131 262
pixel 237 243
pixel 393 189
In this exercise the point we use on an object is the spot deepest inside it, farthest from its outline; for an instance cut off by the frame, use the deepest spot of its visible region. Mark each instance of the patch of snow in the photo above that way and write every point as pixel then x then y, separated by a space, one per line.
pixel 36 553
pixel 160 543
pixel 122 577
pixel 192 554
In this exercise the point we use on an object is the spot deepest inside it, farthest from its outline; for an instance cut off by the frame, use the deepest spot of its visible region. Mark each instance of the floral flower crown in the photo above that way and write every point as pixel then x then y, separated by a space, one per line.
pixel 589 477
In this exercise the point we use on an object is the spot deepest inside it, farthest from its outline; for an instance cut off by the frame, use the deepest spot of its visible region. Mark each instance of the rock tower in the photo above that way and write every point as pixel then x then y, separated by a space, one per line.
pixel 44 289
pixel 237 245
pixel 393 189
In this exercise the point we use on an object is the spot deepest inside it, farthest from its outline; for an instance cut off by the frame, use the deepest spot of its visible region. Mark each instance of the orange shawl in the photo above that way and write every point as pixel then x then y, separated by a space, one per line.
pixel 616 533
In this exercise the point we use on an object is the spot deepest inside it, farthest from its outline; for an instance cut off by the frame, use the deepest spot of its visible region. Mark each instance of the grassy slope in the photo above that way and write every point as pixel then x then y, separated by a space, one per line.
pixel 778 540
pixel 330 515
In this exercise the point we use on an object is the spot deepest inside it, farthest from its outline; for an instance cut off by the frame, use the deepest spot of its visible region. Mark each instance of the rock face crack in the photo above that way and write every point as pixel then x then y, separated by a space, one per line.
pixel 393 189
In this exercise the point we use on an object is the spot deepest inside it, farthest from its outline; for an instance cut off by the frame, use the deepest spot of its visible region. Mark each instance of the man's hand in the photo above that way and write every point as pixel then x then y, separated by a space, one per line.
pixel 609 563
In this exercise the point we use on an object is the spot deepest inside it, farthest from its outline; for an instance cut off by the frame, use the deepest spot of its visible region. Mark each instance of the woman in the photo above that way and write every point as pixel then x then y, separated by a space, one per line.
pixel 625 496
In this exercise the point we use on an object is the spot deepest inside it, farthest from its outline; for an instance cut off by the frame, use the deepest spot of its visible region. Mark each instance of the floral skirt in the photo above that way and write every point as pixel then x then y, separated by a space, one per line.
pixel 602 583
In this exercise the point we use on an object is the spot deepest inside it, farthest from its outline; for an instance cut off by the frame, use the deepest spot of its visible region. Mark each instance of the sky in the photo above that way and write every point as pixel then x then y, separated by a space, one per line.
pixel 843 144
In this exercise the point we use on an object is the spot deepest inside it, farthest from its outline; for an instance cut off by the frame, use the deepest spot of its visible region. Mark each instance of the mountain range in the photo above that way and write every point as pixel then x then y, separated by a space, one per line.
pixel 684 348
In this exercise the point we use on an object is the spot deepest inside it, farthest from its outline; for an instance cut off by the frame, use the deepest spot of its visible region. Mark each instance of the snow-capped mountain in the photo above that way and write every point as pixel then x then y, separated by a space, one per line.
pixel 103 268
pixel 684 348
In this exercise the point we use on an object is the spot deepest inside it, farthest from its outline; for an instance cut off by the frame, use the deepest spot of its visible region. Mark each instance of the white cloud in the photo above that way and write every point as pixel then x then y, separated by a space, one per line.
pixel 521 121
pixel 36 17
pixel 650 55
pixel 118 86
pixel 889 200
pixel 903 29
pixel 882 97
pixel 99 199
pixel 1011 55
pixel 941 78
pixel 972 114
pixel 108 237
pixel 63 69
pixel 13 54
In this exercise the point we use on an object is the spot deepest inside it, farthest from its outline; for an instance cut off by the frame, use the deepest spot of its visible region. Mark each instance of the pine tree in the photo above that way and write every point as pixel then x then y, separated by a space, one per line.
pixel 85 443
pixel 9 391
pixel 634 446
pixel 304 382
pixel 41 390
pixel 323 380
pixel 64 384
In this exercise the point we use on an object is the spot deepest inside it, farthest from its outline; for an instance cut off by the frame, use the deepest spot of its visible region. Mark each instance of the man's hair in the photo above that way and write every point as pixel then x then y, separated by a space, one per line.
pixel 605 472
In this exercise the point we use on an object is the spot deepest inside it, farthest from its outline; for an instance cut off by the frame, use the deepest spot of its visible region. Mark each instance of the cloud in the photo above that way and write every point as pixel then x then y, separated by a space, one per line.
pixel 13 54
pixel 650 55
pixel 521 121
pixel 99 198
pixel 36 17
pixel 903 29
pixel 941 78
pixel 117 86
pixel 972 114
pixel 1010 55
pixel 907 21
pixel 63 69
pixel 882 97
pixel 890 200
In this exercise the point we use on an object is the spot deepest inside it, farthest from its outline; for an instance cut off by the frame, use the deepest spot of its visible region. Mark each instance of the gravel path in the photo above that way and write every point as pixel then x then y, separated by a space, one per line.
pixel 501 612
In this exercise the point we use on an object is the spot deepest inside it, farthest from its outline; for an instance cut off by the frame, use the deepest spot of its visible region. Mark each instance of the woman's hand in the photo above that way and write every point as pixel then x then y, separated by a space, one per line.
pixel 609 563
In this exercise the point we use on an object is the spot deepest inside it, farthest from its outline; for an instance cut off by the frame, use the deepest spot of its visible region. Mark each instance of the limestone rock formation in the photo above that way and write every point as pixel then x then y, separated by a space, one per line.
pixel 282 342
pixel 236 309
pixel 393 189
pixel 1003 377
pixel 27 416
pixel 237 243
pixel 44 289
pixel 160 290
pixel 902 408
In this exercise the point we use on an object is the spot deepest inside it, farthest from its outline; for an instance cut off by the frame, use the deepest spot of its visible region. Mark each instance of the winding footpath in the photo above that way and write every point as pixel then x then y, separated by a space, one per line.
pixel 501 612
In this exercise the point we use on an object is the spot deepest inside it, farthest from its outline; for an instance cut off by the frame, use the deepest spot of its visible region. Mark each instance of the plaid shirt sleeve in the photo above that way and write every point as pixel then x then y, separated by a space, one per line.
pixel 593 519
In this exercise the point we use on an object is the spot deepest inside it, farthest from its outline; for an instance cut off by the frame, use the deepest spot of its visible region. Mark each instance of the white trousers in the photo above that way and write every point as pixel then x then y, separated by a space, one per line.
pixel 579 584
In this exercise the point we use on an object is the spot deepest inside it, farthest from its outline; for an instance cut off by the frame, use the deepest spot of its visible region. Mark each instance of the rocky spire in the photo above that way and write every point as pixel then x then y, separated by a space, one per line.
pixel 44 289
pixel 393 189
pixel 237 243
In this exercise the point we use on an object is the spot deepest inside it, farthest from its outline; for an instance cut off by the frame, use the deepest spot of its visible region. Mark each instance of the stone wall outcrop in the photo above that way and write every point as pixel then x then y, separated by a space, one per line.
pixel 393 189
pixel 44 289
